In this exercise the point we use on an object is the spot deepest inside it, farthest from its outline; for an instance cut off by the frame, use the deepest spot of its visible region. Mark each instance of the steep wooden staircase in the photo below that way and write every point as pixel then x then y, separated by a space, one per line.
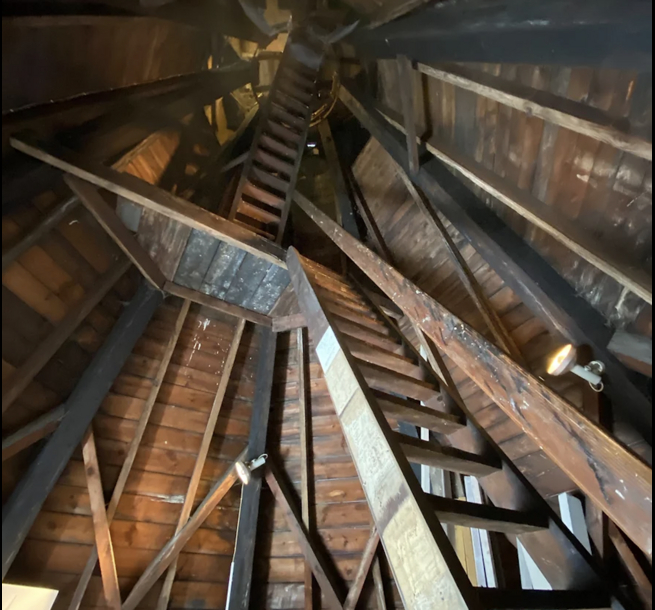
pixel 377 378
pixel 263 196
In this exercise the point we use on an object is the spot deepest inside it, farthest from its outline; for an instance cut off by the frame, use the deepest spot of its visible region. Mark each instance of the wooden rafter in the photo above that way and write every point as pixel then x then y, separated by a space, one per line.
pixel 101 523
pixel 24 505
pixel 324 571
pixel 576 116
pixel 93 200
pixel 369 556
pixel 23 376
pixel 538 285
pixel 594 460
pixel 32 432
pixel 529 207
pixel 406 90
pixel 194 483
pixel 174 546
pixel 152 198
pixel 132 450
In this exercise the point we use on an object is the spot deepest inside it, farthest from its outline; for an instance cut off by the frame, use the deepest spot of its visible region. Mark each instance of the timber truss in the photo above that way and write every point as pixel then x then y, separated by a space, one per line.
pixel 226 235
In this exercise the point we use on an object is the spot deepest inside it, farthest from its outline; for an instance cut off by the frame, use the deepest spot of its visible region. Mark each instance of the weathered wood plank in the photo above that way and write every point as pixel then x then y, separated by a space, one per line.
pixel 617 481
pixel 369 556
pixel 23 376
pixel 135 444
pixel 101 524
pixel 24 505
pixel 424 563
pixel 32 433
pixel 576 116
pixel 152 198
pixel 93 201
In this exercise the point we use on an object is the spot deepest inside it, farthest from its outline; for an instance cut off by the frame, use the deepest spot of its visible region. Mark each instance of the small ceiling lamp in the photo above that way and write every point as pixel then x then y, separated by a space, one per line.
pixel 566 361
pixel 245 470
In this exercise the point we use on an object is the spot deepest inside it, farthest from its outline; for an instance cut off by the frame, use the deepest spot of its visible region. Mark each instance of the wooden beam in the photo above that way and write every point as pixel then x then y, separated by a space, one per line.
pixel 306 481
pixel 151 198
pixel 25 503
pixel 504 339
pixel 532 209
pixel 23 375
pixel 244 552
pixel 637 574
pixel 424 562
pixel 369 556
pixel 194 483
pixel 595 461
pixel 32 433
pixel 92 199
pixel 218 304
pixel 174 546
pixel 539 286
pixel 345 215
pixel 325 573
pixel 406 91
pixel 100 523
pixel 286 323
pixel 635 351
pixel 43 228
pixel 132 450
pixel 378 584
pixel 614 34
pixel 575 116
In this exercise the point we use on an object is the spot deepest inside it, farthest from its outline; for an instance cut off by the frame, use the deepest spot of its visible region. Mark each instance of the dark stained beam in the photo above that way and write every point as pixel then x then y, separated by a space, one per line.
pixel 244 552
pixel 608 34
pixel 151 198
pixel 595 461
pixel 406 86
pixel 531 277
pixel 25 503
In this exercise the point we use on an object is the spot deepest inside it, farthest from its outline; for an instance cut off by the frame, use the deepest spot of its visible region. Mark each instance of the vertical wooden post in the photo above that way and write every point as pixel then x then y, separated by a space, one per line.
pixel 27 500
pixel 244 552
pixel 305 418
pixel 406 88
pixel 187 507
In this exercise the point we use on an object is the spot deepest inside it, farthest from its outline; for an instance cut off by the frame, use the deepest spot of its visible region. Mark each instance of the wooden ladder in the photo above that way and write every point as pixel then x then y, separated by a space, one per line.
pixel 376 378
pixel 268 180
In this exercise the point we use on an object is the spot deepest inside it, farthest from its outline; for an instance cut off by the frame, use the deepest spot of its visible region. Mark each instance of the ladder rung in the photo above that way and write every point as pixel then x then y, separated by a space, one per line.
pixel 502 599
pixel 254 229
pixel 383 358
pixel 273 162
pixel 351 329
pixel 418 415
pixel 263 195
pixel 485 517
pixel 280 131
pixel 361 317
pixel 278 147
pixel 286 117
pixel 257 213
pixel 341 300
pixel 447 458
pixel 286 85
pixel 291 103
pixel 386 380
pixel 274 182
pixel 302 81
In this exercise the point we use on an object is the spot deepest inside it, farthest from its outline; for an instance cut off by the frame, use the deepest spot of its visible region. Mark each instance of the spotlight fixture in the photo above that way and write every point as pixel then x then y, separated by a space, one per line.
pixel 244 470
pixel 566 361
